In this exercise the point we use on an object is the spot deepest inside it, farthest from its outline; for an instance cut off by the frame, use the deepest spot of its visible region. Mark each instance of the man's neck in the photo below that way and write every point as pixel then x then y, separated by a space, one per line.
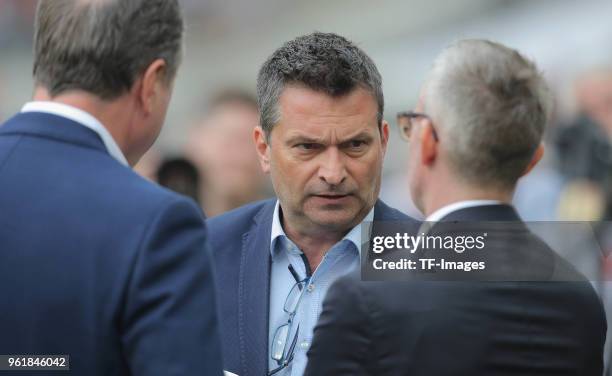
pixel 109 114
pixel 313 243
pixel 457 193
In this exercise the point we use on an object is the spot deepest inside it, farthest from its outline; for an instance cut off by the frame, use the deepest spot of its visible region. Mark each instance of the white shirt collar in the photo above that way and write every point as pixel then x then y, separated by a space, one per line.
pixel 446 210
pixel 81 117
pixel 353 236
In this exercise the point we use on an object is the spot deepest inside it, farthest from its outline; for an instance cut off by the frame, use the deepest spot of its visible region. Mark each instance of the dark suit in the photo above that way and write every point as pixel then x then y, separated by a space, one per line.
pixel 97 263
pixel 464 328
pixel 240 240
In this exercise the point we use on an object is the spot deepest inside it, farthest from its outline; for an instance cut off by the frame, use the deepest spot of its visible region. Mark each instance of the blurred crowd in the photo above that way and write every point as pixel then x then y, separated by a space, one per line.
pixel 575 182
pixel 220 145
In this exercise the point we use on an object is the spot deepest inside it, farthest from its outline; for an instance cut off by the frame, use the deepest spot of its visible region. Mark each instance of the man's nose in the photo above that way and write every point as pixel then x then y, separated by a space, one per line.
pixel 332 169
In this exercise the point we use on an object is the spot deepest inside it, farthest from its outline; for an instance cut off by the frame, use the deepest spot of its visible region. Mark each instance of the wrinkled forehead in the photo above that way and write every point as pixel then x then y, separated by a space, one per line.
pixel 299 96
pixel 309 113
pixel 329 134
pixel 302 102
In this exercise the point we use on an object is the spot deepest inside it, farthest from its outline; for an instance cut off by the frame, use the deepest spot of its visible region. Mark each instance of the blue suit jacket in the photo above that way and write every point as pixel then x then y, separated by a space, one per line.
pixel 96 262
pixel 540 326
pixel 240 241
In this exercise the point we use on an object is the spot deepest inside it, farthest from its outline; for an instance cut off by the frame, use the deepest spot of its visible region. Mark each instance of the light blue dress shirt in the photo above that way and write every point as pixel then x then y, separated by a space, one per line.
pixel 343 257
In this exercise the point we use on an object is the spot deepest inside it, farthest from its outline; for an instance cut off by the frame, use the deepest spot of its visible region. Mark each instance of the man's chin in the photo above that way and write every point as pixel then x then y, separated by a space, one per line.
pixel 339 220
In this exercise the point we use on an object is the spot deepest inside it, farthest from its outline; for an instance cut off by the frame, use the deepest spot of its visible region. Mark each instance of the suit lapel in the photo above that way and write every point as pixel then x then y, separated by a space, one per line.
pixel 254 291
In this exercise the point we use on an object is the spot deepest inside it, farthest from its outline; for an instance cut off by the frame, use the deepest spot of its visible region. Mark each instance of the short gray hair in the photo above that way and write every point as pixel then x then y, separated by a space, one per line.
pixel 103 46
pixel 492 105
pixel 324 62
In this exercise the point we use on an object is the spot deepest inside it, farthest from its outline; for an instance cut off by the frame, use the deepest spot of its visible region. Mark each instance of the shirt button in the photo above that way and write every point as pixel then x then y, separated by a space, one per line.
pixel 310 287
pixel 304 344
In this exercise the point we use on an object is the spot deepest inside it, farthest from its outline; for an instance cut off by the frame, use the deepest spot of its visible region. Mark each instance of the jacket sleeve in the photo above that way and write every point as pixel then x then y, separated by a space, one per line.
pixel 341 337
pixel 169 323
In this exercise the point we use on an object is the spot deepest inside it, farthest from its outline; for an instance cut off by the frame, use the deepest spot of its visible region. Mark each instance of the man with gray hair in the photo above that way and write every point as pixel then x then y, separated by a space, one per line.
pixel 476 130
pixel 101 271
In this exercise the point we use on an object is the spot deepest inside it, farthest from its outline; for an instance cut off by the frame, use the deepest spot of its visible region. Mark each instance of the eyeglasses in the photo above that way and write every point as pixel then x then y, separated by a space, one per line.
pixel 279 351
pixel 405 123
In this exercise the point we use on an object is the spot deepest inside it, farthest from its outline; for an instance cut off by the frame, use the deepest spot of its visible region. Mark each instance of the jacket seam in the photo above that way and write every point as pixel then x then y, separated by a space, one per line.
pixel 10 153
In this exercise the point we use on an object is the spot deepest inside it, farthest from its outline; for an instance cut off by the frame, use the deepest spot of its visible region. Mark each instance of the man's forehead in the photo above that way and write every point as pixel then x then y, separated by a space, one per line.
pixel 299 99
pixel 308 114
pixel 323 127
pixel 329 133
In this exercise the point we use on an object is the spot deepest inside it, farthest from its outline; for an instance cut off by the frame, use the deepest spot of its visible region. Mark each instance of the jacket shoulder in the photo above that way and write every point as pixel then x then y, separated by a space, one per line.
pixel 136 192
pixel 231 225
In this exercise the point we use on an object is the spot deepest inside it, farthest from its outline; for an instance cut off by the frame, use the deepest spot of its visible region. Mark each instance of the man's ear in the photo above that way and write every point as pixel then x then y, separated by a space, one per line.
pixel 384 135
pixel 429 144
pixel 262 147
pixel 537 156
pixel 154 76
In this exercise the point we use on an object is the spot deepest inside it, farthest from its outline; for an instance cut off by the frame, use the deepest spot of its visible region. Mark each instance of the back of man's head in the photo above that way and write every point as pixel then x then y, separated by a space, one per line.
pixel 491 105
pixel 103 46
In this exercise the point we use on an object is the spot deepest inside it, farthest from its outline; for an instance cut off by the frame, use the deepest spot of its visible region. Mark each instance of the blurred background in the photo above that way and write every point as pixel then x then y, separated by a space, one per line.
pixel 208 130
pixel 212 113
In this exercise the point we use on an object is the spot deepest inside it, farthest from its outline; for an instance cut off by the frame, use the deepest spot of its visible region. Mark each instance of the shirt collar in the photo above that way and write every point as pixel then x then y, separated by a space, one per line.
pixel 278 234
pixel 81 117
pixel 446 210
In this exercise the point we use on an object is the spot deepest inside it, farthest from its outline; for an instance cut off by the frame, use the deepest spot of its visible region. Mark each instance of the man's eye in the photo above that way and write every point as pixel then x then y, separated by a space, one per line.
pixel 307 146
pixel 356 144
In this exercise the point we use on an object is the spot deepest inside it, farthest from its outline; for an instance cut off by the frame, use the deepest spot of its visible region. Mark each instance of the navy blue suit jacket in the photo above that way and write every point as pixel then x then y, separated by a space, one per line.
pixel 96 262
pixel 240 241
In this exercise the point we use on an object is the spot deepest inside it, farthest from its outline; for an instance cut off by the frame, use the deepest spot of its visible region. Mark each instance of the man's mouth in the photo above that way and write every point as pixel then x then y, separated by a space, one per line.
pixel 333 197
